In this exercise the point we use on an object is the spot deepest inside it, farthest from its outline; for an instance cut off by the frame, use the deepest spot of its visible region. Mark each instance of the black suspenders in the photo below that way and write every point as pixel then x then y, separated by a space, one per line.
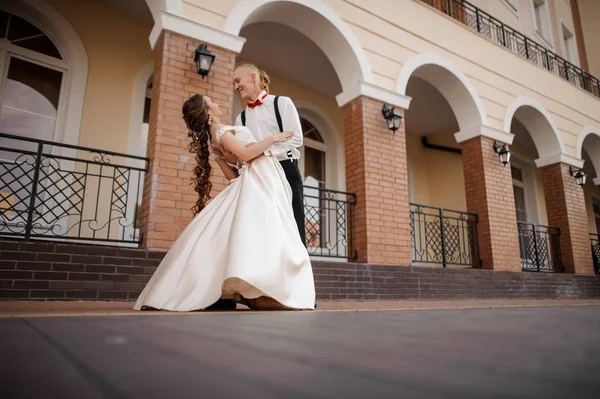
pixel 277 116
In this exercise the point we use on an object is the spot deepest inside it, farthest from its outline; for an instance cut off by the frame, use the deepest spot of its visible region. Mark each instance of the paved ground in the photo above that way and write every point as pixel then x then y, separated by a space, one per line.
pixel 104 308
pixel 502 352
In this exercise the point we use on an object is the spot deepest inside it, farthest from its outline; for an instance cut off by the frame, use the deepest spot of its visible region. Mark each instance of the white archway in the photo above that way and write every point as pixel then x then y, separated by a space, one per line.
pixel 62 33
pixel 592 147
pixel 137 109
pixel 586 131
pixel 540 125
pixel 316 21
pixel 451 83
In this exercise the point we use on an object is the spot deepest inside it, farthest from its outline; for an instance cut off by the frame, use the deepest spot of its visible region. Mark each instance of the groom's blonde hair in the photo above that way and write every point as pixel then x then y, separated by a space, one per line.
pixel 264 78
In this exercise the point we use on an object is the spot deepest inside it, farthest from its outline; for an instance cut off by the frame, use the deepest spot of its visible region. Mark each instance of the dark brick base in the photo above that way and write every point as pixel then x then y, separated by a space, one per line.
pixel 52 271
pixel 347 281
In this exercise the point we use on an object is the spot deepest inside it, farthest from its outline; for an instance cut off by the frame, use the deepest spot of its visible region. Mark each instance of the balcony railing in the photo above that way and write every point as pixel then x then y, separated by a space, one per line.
pixel 518 43
pixel 328 215
pixel 540 248
pixel 595 243
pixel 55 191
pixel 443 236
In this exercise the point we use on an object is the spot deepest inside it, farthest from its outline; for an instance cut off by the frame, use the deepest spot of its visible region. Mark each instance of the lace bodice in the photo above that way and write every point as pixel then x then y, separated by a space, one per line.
pixel 242 133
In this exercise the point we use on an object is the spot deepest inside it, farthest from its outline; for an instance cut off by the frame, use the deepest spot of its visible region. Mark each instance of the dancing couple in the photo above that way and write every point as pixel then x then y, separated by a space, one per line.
pixel 247 244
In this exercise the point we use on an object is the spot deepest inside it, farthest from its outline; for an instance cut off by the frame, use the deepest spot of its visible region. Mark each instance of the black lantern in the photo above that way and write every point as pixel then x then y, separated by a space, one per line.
pixel 204 60
pixel 392 117
pixel 579 176
pixel 503 152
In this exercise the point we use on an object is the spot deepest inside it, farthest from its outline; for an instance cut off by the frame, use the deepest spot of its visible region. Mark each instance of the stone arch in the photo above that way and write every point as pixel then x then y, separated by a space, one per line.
pixel 539 123
pixel 592 147
pixel 452 84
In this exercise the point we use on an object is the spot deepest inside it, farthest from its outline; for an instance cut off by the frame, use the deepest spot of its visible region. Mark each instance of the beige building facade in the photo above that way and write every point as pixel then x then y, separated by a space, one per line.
pixel 467 77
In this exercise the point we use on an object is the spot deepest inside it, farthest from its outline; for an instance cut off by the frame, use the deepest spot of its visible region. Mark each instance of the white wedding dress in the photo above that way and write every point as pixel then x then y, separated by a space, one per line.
pixel 245 242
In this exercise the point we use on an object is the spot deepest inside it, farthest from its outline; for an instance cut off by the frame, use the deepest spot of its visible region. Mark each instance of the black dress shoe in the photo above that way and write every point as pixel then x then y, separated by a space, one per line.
pixel 223 304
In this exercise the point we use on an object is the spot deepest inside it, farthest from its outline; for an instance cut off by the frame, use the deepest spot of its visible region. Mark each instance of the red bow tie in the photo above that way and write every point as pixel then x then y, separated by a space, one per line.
pixel 257 102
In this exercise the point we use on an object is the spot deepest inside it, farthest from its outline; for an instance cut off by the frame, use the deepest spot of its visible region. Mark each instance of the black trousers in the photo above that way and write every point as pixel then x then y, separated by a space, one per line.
pixel 292 173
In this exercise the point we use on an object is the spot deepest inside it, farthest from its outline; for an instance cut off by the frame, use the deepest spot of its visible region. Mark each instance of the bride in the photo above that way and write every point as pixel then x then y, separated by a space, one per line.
pixel 244 244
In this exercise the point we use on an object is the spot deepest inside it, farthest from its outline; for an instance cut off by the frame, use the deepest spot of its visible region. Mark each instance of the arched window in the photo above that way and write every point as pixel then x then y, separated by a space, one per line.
pixel 32 71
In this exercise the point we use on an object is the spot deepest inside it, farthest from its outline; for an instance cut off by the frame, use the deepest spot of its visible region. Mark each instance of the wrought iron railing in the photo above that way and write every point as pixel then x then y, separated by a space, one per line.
pixel 595 244
pixel 540 248
pixel 65 192
pixel 443 236
pixel 518 43
pixel 328 215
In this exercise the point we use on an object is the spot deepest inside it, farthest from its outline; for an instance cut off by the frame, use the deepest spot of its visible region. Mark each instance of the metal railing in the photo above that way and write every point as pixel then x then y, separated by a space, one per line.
pixel 443 236
pixel 328 216
pixel 540 248
pixel 518 43
pixel 65 192
pixel 595 244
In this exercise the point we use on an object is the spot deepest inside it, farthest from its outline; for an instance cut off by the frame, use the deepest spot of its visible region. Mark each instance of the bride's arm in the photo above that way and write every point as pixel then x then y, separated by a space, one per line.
pixel 248 153
pixel 229 172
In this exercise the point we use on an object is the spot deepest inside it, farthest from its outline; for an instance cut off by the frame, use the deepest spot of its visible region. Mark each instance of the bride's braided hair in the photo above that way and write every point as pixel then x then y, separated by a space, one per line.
pixel 197 120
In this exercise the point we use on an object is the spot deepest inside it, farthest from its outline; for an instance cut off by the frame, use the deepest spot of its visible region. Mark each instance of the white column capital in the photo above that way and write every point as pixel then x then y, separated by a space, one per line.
pixel 373 91
pixel 559 158
pixel 194 30
pixel 484 131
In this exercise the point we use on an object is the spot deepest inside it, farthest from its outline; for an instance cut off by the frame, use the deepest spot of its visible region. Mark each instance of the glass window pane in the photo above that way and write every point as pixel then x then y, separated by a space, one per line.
pixel 596 205
pixel 310 132
pixel 314 165
pixel 31 87
pixel 147 105
pixel 25 124
pixel 516 173
pixel 24 34
pixel 19 28
pixel 3 24
pixel 30 103
pixel 520 204
pixel 40 45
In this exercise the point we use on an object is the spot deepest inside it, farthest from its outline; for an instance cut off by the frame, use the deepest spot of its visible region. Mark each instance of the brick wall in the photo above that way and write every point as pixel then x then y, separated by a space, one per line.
pixel 345 281
pixel 49 271
pixel 565 205
pixel 489 193
pixel 42 270
pixel 377 171
pixel 168 194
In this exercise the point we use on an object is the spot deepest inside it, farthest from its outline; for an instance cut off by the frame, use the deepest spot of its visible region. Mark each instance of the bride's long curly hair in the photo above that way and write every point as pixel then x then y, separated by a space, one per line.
pixel 197 120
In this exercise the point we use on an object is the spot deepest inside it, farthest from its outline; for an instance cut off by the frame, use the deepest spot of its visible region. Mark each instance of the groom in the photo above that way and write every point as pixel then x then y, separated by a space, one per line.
pixel 266 115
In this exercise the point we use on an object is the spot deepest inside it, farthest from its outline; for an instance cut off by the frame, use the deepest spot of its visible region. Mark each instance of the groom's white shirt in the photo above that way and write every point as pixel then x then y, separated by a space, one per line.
pixel 262 123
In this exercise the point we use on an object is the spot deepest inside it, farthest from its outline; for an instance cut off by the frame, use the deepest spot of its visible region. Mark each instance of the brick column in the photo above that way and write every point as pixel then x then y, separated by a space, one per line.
pixel 377 171
pixel 565 205
pixel 168 196
pixel 489 192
